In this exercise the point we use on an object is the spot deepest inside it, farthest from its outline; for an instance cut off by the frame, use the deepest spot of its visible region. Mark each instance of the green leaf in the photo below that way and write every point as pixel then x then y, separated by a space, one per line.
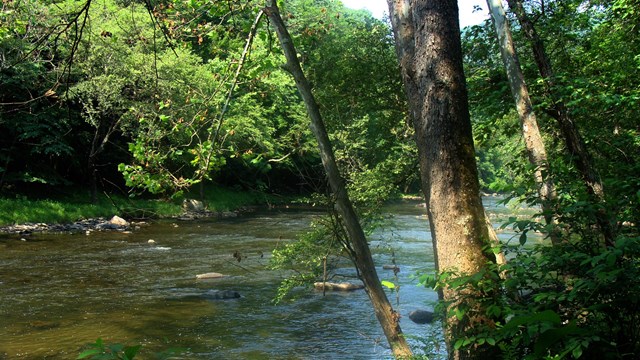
pixel 116 347
pixel 523 238
pixel 611 259
pixel 458 344
pixel 131 351
pixel 548 316
pixel 388 284
pixel 577 352
pixel 89 352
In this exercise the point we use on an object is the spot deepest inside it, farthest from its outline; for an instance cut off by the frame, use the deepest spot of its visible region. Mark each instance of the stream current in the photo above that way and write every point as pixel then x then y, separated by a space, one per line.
pixel 61 292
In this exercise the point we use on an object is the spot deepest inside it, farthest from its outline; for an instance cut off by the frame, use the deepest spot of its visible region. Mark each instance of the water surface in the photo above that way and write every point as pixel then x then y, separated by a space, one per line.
pixel 60 292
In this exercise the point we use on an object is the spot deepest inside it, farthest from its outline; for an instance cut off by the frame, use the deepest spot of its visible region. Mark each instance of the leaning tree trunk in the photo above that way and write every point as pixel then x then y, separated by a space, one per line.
pixel 428 45
pixel 388 318
pixel 529 124
pixel 573 141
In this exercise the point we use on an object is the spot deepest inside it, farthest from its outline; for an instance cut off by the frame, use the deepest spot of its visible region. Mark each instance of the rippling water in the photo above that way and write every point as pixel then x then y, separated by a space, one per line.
pixel 60 292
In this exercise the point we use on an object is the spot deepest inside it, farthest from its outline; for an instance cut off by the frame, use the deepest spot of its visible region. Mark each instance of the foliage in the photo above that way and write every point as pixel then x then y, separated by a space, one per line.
pixel 575 300
pixel 65 209
pixel 35 145
pixel 72 205
pixel 306 257
pixel 102 351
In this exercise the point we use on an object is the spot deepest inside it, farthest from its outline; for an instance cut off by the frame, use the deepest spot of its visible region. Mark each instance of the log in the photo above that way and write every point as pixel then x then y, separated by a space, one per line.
pixel 338 286
pixel 211 275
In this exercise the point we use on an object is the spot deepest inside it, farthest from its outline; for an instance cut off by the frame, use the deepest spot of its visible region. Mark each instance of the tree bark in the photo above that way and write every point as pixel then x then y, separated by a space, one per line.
pixel 428 45
pixel 533 140
pixel 573 141
pixel 388 318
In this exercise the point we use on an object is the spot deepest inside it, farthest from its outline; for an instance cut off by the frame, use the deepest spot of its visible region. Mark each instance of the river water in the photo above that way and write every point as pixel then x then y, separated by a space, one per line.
pixel 61 292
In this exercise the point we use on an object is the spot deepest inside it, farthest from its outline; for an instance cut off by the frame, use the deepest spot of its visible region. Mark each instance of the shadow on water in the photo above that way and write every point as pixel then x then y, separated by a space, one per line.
pixel 60 292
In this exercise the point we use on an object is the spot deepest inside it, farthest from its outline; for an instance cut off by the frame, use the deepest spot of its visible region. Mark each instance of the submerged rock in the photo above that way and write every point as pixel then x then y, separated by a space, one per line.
pixel 421 316
pixel 221 295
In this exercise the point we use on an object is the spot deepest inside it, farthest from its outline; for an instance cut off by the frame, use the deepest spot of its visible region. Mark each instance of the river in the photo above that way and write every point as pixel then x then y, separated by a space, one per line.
pixel 61 292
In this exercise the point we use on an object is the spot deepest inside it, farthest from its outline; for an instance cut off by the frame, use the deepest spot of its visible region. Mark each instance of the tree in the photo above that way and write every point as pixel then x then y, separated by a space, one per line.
pixel 360 252
pixel 35 145
pixel 573 140
pixel 533 139
pixel 429 51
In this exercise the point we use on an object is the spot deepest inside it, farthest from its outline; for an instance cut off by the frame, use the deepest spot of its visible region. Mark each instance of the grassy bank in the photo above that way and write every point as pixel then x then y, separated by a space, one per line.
pixel 72 206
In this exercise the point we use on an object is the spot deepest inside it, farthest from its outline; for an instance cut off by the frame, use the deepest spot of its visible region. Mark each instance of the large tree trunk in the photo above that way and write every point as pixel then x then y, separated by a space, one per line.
pixel 430 54
pixel 533 140
pixel 388 318
pixel 573 141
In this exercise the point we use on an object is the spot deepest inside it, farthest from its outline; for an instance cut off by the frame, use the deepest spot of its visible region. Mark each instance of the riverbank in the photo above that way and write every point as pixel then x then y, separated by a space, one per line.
pixel 72 212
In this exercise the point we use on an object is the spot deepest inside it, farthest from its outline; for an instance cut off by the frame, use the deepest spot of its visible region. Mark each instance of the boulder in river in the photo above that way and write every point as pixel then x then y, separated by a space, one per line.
pixel 421 316
pixel 345 286
pixel 211 275
pixel 193 205
pixel 118 221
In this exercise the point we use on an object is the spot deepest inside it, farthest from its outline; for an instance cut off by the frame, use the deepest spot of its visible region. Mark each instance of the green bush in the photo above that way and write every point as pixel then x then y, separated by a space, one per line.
pixel 575 300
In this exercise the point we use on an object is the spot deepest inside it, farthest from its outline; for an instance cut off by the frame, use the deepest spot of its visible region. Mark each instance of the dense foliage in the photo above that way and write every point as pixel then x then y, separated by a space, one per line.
pixel 158 97
pixel 155 94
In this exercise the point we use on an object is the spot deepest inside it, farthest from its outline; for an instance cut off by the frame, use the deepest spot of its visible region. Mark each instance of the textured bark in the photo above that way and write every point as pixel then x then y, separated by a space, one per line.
pixel 430 54
pixel 533 140
pixel 573 141
pixel 388 318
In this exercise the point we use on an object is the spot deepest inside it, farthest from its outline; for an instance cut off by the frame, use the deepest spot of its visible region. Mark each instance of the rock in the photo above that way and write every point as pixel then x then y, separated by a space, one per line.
pixel 151 241
pixel 391 267
pixel 221 295
pixel 193 205
pixel 421 316
pixel 346 286
pixel 44 325
pixel 211 275
pixel 108 226
pixel 118 221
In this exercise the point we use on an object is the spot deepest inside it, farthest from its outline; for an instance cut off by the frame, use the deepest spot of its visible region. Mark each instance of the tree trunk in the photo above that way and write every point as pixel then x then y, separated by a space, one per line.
pixel 430 54
pixel 573 141
pixel 388 318
pixel 531 134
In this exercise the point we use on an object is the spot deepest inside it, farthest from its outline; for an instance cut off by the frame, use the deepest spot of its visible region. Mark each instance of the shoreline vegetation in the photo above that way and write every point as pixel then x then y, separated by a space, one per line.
pixel 73 212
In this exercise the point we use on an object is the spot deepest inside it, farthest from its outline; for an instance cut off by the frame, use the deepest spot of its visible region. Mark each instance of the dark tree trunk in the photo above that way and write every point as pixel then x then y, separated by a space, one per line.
pixel 430 54
pixel 388 318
